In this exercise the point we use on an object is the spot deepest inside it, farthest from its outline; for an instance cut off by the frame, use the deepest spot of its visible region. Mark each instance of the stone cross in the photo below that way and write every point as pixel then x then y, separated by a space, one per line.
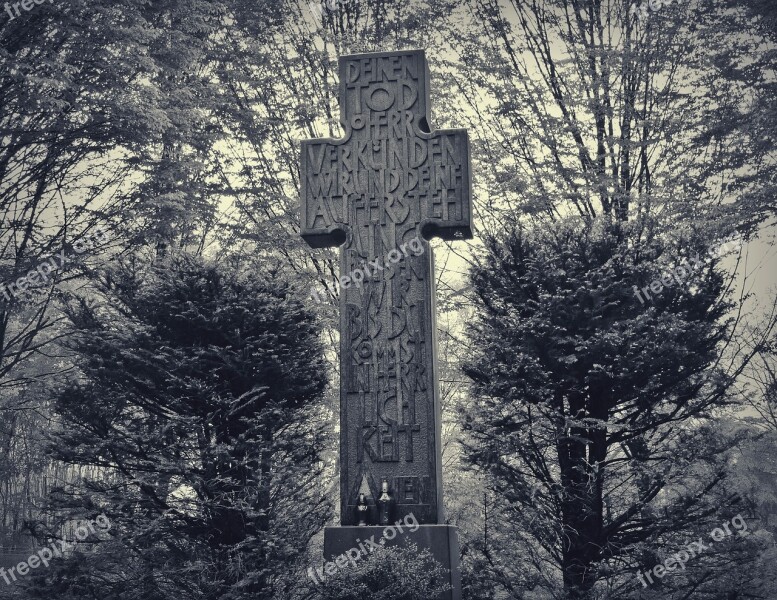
pixel 380 192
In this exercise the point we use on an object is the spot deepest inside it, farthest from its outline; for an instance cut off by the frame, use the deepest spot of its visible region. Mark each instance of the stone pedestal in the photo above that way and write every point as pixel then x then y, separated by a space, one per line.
pixel 442 541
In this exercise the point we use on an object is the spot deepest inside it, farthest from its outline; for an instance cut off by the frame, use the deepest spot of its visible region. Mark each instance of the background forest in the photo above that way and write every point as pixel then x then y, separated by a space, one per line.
pixel 172 372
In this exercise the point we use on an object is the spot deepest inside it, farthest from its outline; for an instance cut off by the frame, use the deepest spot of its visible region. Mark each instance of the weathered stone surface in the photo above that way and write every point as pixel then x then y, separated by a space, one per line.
pixel 380 192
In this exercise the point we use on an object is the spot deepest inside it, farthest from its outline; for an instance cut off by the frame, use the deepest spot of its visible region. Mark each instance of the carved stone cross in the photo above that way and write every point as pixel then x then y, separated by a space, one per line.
pixel 387 186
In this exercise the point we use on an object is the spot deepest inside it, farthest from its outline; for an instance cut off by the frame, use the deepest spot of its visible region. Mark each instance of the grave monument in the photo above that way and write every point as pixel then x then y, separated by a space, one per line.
pixel 390 182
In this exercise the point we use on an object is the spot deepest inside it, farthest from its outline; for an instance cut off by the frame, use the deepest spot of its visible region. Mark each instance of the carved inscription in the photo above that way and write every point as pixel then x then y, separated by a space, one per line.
pixel 387 181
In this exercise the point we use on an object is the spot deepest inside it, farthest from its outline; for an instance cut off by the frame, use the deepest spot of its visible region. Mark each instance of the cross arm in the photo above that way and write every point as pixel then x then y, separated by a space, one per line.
pixel 448 208
pixel 322 216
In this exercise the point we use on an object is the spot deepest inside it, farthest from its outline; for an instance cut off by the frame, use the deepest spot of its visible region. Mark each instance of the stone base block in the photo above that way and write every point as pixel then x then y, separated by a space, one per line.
pixel 442 541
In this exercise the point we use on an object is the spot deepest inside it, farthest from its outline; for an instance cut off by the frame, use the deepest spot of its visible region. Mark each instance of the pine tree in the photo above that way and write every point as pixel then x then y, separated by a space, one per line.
pixel 195 404
pixel 592 412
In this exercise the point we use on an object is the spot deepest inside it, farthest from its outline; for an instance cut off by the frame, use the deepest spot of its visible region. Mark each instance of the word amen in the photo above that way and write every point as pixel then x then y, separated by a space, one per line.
pixel 365 548
pixel 681 272
pixel 26 5
pixel 46 554
pixel 46 268
pixel 694 548
pixel 394 256
pixel 641 11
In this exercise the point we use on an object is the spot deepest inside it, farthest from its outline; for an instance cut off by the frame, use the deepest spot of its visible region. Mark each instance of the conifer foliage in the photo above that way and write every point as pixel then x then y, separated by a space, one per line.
pixel 591 413
pixel 194 402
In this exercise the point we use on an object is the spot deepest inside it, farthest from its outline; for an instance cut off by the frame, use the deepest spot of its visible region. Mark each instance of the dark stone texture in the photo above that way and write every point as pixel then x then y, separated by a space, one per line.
pixel 380 193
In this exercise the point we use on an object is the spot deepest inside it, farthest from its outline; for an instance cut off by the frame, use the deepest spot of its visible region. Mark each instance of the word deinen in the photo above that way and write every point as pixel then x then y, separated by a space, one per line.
pixel 44 555
pixel 365 548
pixel 692 550
pixel 358 276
